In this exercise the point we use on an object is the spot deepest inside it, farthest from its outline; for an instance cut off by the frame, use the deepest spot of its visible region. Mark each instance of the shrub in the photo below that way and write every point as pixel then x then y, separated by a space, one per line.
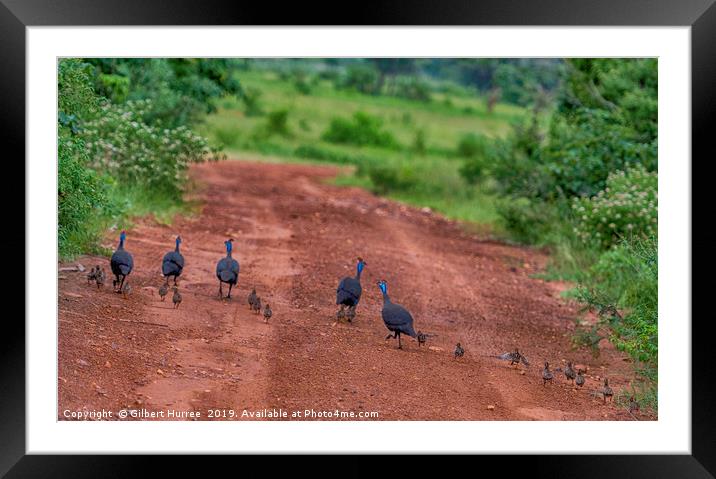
pixel 363 129
pixel 527 220
pixel 626 208
pixel 411 88
pixel 81 197
pixel 626 278
pixel 121 144
pixel 387 178
pixel 252 101
pixel 476 151
pixel 361 78
pixel 277 123
pixel 419 142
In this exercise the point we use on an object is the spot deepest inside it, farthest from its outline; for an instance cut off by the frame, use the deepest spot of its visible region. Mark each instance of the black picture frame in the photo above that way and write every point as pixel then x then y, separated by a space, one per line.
pixel 700 15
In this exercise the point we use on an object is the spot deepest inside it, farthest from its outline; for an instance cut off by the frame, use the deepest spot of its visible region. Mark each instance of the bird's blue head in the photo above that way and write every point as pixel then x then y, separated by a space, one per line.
pixel 229 244
pixel 361 265
pixel 122 236
pixel 178 240
pixel 383 286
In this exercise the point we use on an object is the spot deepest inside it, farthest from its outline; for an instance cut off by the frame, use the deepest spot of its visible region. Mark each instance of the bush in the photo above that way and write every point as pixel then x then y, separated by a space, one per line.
pixel 121 144
pixel 626 208
pixel 361 78
pixel 626 278
pixel 478 156
pixel 363 129
pixel 420 146
pixel 389 178
pixel 81 197
pixel 528 221
pixel 411 88
pixel 252 101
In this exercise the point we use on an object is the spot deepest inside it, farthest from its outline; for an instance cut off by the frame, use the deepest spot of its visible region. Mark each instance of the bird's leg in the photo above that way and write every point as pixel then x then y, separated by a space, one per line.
pixel 121 285
pixel 400 346
pixel 229 295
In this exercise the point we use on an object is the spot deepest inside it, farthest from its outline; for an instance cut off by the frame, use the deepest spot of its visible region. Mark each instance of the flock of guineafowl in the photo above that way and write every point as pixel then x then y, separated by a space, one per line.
pixel 396 318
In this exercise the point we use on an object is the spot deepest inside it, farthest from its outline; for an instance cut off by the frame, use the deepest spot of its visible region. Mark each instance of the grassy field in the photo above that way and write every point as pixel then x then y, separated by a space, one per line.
pixel 427 135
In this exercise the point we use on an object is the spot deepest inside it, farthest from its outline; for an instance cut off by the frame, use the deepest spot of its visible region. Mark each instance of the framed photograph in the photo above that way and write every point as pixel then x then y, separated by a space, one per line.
pixel 432 231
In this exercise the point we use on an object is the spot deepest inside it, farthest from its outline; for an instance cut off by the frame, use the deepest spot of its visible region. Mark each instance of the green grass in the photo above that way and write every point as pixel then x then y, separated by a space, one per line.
pixel 427 176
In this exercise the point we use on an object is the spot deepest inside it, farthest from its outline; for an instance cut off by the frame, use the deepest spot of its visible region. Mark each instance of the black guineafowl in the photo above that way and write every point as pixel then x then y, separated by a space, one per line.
pixel 121 264
pixel 227 270
pixel 173 263
pixel 396 318
pixel 349 289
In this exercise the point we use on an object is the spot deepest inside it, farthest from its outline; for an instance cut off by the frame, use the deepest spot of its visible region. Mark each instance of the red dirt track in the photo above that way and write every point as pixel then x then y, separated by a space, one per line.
pixel 295 237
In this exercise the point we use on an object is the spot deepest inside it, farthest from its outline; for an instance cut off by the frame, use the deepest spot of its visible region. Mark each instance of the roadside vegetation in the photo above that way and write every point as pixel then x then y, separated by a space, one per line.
pixel 558 154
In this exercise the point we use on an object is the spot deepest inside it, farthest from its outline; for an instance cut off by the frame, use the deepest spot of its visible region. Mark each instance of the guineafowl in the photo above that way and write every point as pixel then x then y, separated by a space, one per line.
pixel 607 392
pixel 163 290
pixel 92 275
pixel 351 314
pixel 340 314
pixel 252 298
pixel 569 372
pixel 121 263
pixel 633 405
pixel 227 270
pixel 421 338
pixel 546 374
pixel 257 305
pixel 514 357
pixel 349 289
pixel 459 351
pixel 99 277
pixel 176 299
pixel 580 379
pixel 173 263
pixel 126 290
pixel 267 312
pixel 396 318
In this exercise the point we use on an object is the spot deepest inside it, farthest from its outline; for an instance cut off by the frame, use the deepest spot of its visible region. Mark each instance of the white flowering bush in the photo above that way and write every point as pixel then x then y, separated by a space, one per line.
pixel 626 208
pixel 122 144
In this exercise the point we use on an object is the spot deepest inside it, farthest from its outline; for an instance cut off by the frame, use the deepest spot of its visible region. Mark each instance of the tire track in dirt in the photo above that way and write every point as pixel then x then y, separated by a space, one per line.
pixel 295 237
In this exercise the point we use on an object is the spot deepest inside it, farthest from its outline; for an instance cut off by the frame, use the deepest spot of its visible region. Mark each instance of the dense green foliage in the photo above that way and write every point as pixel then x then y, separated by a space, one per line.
pixel 583 181
pixel 362 130
pixel 123 144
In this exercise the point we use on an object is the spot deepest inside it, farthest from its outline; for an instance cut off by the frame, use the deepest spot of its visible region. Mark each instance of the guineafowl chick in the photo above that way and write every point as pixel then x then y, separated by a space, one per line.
pixel 99 277
pixel 459 351
pixel 176 299
pixel 267 312
pixel 351 314
pixel 421 338
pixel 607 392
pixel 580 378
pixel 546 374
pixel 252 298
pixel 341 314
pixel 633 405
pixel 126 290
pixel 91 276
pixel 514 357
pixel 257 305
pixel 569 372
pixel 163 290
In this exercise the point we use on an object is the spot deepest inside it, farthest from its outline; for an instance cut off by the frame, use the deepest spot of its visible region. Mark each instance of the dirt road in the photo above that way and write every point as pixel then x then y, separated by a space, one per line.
pixel 295 237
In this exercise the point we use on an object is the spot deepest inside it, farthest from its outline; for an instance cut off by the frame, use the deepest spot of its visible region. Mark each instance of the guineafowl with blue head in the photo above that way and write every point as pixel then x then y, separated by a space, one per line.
pixel 121 263
pixel 349 291
pixel 227 270
pixel 173 263
pixel 396 318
